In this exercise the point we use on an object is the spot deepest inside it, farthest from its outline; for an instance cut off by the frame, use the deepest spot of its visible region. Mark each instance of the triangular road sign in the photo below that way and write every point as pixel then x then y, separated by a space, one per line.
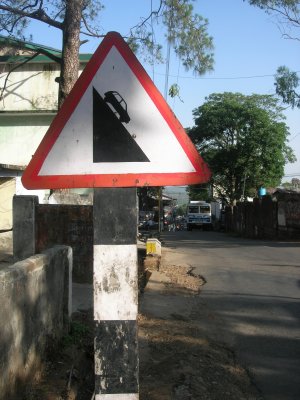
pixel 114 130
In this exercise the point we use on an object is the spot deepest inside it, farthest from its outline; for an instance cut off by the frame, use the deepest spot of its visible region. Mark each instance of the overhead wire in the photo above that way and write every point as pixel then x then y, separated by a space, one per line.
pixel 221 78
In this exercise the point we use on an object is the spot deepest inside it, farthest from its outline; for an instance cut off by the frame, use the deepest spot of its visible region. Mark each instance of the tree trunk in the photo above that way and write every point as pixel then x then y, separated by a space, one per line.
pixel 70 52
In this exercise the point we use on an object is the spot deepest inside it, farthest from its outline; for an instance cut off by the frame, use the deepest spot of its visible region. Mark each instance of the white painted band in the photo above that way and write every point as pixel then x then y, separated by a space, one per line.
pixel 125 396
pixel 115 282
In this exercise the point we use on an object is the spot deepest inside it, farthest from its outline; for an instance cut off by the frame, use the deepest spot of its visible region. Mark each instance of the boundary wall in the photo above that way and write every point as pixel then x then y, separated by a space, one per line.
pixel 266 218
pixel 36 304
pixel 37 227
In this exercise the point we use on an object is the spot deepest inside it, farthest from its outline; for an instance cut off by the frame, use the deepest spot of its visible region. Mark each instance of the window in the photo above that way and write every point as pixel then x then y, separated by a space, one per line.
pixel 194 209
pixel 205 209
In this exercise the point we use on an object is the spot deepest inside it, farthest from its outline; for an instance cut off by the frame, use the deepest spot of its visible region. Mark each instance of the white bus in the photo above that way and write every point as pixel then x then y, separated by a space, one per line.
pixel 198 215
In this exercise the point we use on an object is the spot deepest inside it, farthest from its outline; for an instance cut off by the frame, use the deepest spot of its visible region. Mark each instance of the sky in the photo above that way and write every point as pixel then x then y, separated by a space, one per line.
pixel 249 48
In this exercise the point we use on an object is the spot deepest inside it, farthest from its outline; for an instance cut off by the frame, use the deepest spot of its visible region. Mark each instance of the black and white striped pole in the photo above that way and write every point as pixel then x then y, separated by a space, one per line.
pixel 115 294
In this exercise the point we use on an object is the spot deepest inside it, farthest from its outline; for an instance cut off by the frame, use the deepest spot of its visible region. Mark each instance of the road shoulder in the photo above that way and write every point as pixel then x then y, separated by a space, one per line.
pixel 178 357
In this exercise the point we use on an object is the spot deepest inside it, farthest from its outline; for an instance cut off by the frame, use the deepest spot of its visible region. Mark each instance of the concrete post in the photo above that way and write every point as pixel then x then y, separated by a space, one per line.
pixel 24 226
pixel 115 293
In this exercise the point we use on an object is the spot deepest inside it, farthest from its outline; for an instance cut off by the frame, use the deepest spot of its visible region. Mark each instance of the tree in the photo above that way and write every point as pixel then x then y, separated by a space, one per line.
pixel 244 141
pixel 286 83
pixel 186 31
pixel 69 16
pixel 288 14
pixel 200 192
pixel 287 11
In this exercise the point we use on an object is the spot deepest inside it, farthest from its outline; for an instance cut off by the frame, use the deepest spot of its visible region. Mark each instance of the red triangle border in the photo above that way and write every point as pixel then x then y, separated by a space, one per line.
pixel 31 178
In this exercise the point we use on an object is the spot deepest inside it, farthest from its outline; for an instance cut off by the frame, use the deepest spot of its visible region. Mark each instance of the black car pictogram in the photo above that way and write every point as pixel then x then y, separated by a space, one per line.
pixel 118 103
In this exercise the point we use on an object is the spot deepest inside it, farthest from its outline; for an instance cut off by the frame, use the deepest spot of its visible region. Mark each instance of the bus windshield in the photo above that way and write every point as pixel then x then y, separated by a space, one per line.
pixel 205 209
pixel 194 209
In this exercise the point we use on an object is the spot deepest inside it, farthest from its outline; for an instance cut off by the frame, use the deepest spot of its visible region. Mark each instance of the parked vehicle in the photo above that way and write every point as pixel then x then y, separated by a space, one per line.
pixel 199 215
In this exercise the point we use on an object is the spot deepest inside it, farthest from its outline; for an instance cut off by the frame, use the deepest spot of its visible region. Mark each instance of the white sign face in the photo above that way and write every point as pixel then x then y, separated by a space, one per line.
pixel 72 154
pixel 115 129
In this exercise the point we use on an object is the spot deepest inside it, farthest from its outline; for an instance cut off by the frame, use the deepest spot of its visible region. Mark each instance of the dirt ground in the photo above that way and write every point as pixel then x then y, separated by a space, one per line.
pixel 177 360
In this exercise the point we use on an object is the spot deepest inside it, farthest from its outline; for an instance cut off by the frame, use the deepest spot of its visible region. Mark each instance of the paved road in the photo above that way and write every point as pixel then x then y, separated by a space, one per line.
pixel 253 289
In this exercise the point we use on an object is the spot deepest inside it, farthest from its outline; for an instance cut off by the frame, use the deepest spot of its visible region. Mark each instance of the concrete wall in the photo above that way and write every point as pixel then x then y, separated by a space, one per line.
pixel 27 108
pixel 9 186
pixel 35 298
pixel 20 136
pixel 70 225
pixel 37 227
pixel 288 214
pixel 31 87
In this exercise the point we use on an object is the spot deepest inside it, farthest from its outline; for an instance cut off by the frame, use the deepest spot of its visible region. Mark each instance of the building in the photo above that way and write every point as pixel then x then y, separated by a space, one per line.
pixel 28 103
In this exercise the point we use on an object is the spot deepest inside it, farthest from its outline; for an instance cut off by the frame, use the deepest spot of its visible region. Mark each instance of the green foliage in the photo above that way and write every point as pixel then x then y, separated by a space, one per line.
pixel 286 83
pixel 243 139
pixel 287 13
pixel 140 41
pixel 276 5
pixel 174 91
pixel 186 31
pixel 199 192
pixel 273 3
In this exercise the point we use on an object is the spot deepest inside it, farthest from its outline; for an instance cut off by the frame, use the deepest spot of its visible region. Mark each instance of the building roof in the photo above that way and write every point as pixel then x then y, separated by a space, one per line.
pixel 33 47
